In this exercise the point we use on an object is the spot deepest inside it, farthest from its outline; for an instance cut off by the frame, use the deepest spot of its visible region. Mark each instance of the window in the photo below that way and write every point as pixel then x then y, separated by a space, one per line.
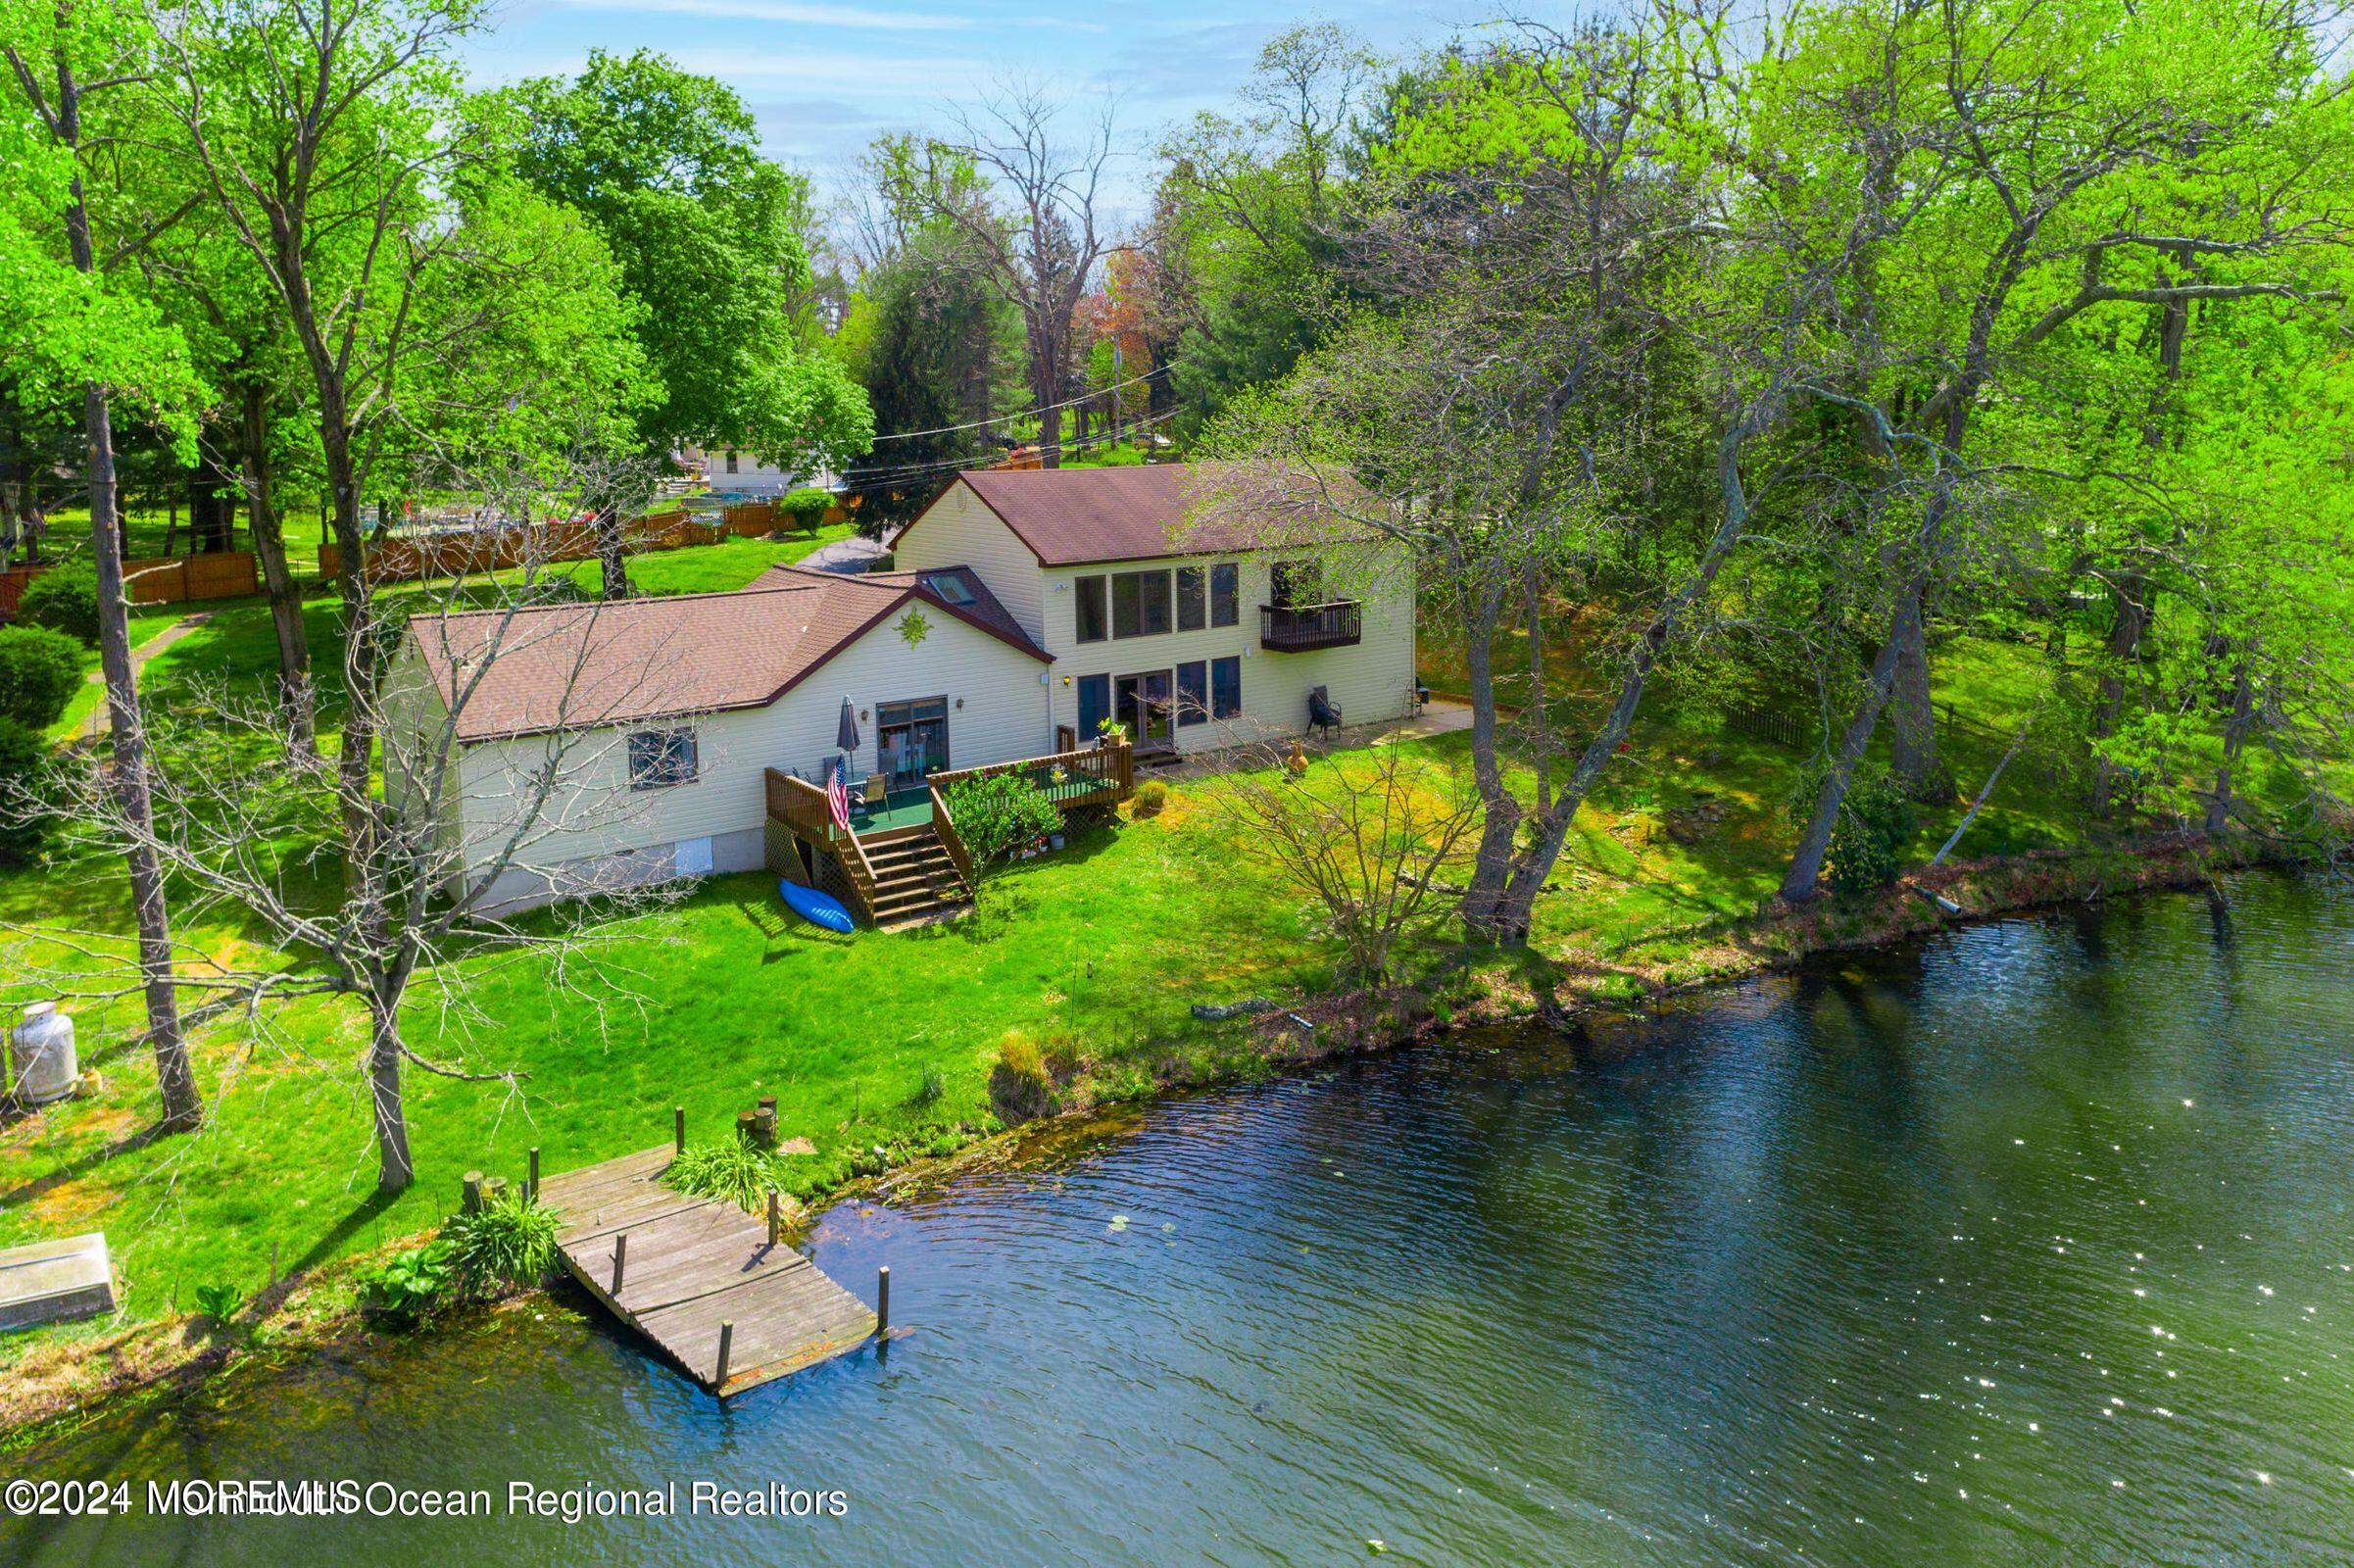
pixel 1225 593
pixel 1225 687
pixel 1091 609
pixel 1095 704
pixel 1193 693
pixel 1296 583
pixel 1140 603
pixel 731 462
pixel 952 590
pixel 1190 605
pixel 659 758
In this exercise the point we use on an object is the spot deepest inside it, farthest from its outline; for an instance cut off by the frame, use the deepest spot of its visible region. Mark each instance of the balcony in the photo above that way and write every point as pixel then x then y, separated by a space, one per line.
pixel 1304 628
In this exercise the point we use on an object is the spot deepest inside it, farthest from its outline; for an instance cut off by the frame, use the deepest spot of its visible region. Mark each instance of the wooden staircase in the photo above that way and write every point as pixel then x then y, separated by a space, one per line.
pixel 916 879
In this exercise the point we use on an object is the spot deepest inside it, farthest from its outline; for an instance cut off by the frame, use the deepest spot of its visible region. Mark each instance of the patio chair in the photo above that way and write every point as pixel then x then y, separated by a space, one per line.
pixel 1323 713
pixel 878 789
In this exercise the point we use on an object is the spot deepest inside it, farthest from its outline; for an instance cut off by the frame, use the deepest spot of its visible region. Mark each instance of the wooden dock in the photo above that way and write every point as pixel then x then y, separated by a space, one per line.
pixel 698 1276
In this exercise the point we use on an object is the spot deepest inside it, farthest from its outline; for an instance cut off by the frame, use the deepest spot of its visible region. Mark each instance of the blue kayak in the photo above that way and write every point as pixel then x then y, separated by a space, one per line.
pixel 816 908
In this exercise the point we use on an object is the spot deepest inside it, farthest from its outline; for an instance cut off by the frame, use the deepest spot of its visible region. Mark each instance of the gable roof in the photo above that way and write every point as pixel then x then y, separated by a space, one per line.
pixel 588 665
pixel 1090 517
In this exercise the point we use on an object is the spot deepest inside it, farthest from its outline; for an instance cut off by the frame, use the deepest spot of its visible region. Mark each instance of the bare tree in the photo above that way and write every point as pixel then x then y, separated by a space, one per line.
pixel 1044 244
pixel 58 106
pixel 1372 835
pixel 463 833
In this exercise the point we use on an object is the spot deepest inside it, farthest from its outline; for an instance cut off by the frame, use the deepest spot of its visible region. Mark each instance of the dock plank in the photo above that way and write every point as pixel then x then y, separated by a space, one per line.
pixel 694 1263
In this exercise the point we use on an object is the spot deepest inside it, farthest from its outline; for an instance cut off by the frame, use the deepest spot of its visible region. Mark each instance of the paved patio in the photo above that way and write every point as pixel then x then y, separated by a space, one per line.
pixel 1440 716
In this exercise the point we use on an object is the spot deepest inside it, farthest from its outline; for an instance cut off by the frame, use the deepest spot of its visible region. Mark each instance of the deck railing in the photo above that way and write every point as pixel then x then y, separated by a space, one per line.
pixel 953 841
pixel 1087 776
pixel 800 805
pixel 1299 629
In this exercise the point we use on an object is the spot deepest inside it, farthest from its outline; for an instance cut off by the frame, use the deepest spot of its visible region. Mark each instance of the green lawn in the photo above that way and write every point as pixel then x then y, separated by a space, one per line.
pixel 1095 951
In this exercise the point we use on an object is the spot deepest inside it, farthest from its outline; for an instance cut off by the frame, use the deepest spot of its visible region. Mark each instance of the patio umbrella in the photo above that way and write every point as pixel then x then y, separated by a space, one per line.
pixel 846 735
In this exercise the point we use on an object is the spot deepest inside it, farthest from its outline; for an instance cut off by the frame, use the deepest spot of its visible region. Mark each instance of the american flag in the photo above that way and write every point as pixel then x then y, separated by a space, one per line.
pixel 837 796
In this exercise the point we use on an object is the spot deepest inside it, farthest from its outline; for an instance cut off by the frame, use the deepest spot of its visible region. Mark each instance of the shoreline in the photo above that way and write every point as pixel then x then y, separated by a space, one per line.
pixel 56 1386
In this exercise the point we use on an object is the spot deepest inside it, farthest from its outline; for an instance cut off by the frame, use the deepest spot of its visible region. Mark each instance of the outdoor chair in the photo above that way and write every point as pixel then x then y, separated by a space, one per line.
pixel 878 789
pixel 1323 713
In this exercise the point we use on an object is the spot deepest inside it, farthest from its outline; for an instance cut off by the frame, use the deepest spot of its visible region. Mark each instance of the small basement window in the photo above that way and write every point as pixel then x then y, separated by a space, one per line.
pixel 660 758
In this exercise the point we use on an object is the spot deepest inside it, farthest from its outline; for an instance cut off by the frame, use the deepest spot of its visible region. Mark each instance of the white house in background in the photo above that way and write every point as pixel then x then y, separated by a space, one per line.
pixel 1026 608
pixel 730 472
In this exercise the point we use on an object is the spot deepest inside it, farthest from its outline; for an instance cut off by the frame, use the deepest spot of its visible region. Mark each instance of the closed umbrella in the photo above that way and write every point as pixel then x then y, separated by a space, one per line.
pixel 846 735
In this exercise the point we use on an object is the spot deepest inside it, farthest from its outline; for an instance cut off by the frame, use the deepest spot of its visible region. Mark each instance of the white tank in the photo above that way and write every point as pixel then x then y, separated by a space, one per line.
pixel 44 1067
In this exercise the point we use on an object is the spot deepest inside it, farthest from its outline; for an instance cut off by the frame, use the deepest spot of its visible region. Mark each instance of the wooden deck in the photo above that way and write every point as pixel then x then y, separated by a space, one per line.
pixel 694 1263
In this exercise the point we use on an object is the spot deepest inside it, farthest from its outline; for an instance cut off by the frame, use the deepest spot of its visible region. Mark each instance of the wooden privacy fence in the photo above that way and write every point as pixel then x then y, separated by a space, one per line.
pixel 465 552
pixel 158 580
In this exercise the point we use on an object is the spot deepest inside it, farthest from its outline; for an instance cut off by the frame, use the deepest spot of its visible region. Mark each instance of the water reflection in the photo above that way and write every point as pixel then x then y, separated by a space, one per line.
pixel 2028 1246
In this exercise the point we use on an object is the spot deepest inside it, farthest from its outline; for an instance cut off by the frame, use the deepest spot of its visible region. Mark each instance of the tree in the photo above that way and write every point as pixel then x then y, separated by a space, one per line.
pixel 1043 243
pixel 79 331
pixel 2189 126
pixel 1372 836
pixel 418 911
pixel 710 237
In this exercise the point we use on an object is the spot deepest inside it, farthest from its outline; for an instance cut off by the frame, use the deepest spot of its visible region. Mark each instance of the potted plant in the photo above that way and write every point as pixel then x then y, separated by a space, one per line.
pixel 1111 732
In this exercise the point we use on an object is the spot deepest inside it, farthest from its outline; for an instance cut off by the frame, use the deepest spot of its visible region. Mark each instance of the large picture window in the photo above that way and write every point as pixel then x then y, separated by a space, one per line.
pixel 1091 628
pixel 1140 603
pixel 660 758
pixel 1225 593
pixel 1225 687
pixel 1192 605
pixel 1193 693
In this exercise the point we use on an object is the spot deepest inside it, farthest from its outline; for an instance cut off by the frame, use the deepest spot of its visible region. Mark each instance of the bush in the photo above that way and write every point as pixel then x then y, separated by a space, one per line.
pixel 1875 823
pixel 734 1170
pixel 508 1241
pixel 24 792
pixel 1150 797
pixel 64 599
pixel 39 671
pixel 1001 813
pixel 219 1302
pixel 409 1286
pixel 806 507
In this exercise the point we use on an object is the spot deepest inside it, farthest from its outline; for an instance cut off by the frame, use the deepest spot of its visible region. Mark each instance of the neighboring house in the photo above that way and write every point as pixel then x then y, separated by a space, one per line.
pixel 730 473
pixel 1026 608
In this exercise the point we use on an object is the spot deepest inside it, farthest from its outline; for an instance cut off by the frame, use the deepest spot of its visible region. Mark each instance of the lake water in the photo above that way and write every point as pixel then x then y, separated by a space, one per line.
pixel 2031 1245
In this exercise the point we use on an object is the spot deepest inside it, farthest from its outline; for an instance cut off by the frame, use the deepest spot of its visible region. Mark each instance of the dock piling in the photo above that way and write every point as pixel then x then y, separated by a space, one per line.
pixel 469 1192
pixel 727 1342
pixel 775 1216
pixel 532 1194
pixel 620 1257
pixel 882 1304
pixel 678 1128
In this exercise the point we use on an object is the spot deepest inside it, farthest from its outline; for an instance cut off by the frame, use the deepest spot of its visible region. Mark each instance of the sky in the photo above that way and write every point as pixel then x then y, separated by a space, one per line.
pixel 824 76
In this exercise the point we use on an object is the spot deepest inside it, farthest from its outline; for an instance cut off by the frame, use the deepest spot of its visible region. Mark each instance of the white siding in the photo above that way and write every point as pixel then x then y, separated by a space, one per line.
pixel 1369 681
pixel 595 815
pixel 961 531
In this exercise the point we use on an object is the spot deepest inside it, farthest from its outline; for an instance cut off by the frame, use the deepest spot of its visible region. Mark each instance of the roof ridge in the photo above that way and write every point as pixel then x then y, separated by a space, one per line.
pixel 633 602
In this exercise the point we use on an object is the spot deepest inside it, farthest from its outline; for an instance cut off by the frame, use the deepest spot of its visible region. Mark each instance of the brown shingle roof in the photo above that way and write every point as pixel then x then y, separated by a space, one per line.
pixel 569 666
pixel 1082 517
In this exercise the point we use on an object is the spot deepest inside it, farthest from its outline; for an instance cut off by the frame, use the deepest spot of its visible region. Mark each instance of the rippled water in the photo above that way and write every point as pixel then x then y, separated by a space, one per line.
pixel 2031 1246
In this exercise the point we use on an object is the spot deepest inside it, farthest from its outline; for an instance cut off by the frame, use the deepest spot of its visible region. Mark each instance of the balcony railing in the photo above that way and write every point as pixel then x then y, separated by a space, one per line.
pixel 1299 629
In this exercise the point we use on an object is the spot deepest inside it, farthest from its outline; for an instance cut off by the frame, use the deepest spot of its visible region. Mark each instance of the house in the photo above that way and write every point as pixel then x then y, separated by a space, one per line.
pixel 602 745
pixel 742 475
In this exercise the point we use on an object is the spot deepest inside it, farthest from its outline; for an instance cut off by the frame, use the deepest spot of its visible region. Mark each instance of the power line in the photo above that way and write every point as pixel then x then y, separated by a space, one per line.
pixel 889 474
pixel 1007 418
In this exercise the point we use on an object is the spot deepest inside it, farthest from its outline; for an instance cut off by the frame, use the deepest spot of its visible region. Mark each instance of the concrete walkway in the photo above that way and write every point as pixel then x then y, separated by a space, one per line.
pixel 140 657
pixel 848 557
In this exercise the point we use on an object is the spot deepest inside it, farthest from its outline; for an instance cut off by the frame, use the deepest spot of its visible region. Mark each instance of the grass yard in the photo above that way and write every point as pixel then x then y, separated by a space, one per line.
pixel 1095 954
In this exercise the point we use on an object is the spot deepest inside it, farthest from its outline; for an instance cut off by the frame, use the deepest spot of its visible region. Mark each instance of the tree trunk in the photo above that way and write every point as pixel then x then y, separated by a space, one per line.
pixel 285 597
pixel 1915 752
pixel 183 1103
pixel 212 515
pixel 2128 624
pixel 1500 817
pixel 1050 438
pixel 2235 735
pixel 1807 866
pixel 612 556
pixel 394 1169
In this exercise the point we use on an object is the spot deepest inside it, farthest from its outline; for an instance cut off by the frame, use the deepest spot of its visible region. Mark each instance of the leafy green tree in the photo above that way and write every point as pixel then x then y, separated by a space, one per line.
pixel 710 239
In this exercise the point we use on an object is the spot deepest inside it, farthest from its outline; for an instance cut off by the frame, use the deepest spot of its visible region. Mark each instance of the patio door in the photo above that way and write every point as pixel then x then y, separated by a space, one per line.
pixel 1143 703
pixel 912 738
